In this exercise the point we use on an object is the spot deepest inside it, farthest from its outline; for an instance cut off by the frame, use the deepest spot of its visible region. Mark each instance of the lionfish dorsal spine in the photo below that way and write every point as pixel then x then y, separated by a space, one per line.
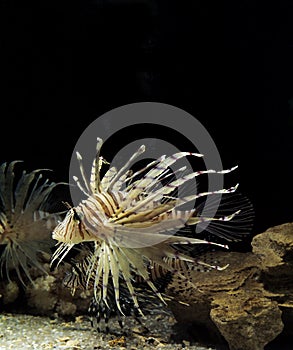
pixel 107 178
pixel 126 166
pixel 79 185
pixel 152 174
pixel 95 180
pixel 83 174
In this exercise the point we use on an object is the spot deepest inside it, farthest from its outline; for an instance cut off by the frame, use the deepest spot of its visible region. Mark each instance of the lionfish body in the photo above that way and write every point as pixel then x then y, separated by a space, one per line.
pixel 133 224
pixel 25 223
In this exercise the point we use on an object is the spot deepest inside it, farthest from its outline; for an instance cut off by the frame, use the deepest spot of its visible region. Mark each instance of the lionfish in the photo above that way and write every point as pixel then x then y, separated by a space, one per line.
pixel 133 221
pixel 25 223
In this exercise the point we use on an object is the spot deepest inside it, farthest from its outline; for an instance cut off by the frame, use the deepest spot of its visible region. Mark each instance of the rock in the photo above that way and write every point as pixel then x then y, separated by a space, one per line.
pixel 247 321
pixel 230 304
pixel 243 306
pixel 39 295
pixel 66 308
pixel 274 248
pixel 46 296
pixel 9 292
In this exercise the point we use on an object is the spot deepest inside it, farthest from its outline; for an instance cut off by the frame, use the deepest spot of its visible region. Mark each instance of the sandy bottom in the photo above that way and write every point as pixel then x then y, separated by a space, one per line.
pixel 18 331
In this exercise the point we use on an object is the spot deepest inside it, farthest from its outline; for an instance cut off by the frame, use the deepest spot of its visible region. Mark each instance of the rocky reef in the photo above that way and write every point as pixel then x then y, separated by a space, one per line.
pixel 47 296
pixel 247 306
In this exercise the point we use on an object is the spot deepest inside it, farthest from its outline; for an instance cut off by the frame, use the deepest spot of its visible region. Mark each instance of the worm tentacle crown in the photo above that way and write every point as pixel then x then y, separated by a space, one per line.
pixel 25 222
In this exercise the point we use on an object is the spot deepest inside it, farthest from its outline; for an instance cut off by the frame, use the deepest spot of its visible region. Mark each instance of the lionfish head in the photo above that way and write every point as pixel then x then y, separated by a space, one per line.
pixel 71 230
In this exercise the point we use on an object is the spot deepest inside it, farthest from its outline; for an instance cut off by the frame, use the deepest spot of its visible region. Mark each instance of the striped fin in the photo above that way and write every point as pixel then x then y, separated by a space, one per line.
pixel 151 176
pixel 106 269
pixel 163 253
pixel 121 181
pixel 83 174
pixel 62 251
pixel 124 266
pixel 196 220
pixel 92 265
pixel 115 275
pixel 95 181
pixel 76 278
pixel 127 164
pixel 132 217
pixel 184 200
pixel 137 238
pixel 239 223
pixel 128 218
pixel 134 258
pixel 162 177
pixel 98 273
pixel 150 165
pixel 173 185
pixel 107 178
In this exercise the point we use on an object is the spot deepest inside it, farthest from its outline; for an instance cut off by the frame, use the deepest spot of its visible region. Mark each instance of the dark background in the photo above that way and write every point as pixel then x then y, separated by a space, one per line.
pixel 228 63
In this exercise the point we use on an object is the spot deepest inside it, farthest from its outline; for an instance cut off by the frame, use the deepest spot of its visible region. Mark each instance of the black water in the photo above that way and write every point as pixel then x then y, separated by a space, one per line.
pixel 227 63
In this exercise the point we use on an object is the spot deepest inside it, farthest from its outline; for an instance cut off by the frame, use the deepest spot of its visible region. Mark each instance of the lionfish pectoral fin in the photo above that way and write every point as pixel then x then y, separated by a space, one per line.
pixel 135 258
pixel 183 303
pixel 198 219
pixel 114 266
pixel 124 262
pixel 62 250
pixel 231 227
pixel 106 270
pixel 97 289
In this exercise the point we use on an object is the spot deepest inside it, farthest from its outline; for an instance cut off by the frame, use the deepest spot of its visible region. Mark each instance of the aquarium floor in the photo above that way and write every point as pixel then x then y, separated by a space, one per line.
pixel 18 331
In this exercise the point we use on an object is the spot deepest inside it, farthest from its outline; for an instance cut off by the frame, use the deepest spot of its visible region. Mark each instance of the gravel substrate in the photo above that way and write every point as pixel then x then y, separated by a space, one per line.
pixel 18 331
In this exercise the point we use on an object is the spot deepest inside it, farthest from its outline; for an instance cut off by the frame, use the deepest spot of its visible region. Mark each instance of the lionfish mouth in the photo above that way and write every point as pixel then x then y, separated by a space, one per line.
pixel 132 221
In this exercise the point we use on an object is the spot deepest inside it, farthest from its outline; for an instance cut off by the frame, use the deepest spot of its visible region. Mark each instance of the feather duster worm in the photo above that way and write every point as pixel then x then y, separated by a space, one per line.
pixel 133 224
pixel 25 223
